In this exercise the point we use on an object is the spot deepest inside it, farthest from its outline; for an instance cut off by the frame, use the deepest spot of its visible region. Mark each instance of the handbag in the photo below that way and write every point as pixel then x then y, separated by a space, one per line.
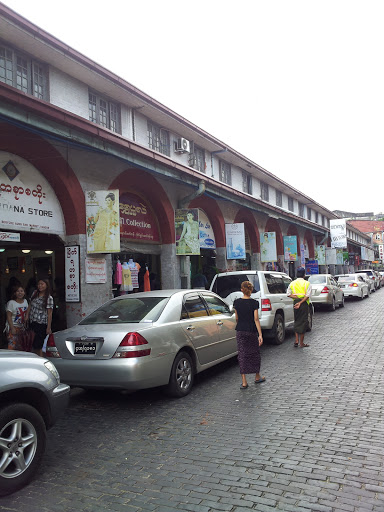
pixel 26 338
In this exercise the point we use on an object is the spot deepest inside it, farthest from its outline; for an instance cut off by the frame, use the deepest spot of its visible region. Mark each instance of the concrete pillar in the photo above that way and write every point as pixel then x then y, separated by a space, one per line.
pixel 92 295
pixel 256 261
pixel 170 267
pixel 221 258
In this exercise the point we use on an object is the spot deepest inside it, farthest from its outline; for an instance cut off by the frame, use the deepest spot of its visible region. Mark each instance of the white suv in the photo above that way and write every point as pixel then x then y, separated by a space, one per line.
pixel 270 289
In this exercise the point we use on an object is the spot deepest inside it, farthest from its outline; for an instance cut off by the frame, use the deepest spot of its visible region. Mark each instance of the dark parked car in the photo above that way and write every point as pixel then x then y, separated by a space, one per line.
pixel 31 400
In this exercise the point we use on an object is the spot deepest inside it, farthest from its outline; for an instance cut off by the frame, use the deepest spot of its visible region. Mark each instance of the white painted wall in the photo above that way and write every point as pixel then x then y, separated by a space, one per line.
pixel 68 93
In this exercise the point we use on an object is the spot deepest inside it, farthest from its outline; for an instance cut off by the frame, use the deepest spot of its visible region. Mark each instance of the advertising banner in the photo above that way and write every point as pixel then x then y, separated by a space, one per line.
pixel 302 254
pixel 345 258
pixel 330 256
pixel 102 221
pixel 338 229
pixel 9 237
pixel 339 256
pixel 72 273
pixel 320 254
pixel 235 241
pixel 137 221
pixel 27 200
pixel 363 252
pixel 268 250
pixel 312 267
pixel 290 248
pixel 95 270
pixel 206 235
pixel 187 232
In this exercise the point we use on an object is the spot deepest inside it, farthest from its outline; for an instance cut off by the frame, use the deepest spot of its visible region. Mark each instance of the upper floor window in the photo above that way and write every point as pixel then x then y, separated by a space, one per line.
pixel 325 221
pixel 103 112
pixel 290 204
pixel 225 173
pixel 279 198
pixel 158 138
pixel 317 217
pixel 301 209
pixel 23 73
pixel 247 183
pixel 264 191
pixel 309 213
pixel 197 158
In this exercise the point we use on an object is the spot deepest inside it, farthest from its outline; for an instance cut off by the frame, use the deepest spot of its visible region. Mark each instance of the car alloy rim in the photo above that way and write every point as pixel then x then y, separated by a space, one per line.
pixel 18 443
pixel 280 329
pixel 183 374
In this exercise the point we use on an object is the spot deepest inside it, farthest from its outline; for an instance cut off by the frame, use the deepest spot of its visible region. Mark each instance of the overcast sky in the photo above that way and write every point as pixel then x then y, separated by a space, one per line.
pixel 297 86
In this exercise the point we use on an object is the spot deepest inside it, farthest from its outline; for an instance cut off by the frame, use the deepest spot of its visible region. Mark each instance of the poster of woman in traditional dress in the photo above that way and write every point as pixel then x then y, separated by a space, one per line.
pixel 103 223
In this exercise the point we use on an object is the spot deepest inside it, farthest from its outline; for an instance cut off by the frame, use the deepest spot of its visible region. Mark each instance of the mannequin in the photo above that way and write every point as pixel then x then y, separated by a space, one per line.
pixel 126 278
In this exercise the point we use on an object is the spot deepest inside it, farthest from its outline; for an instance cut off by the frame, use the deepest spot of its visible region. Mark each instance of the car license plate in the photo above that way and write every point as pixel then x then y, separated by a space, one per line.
pixel 88 348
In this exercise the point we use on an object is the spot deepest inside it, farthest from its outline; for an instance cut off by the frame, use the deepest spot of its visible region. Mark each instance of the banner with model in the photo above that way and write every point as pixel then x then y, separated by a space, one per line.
pixel 187 232
pixel 268 251
pixel 102 221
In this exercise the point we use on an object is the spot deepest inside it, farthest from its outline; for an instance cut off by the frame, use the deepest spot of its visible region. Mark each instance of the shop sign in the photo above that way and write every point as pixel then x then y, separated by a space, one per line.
pixel 268 251
pixel 137 221
pixel 339 256
pixel 320 254
pixel 27 200
pixel 302 254
pixel 338 229
pixel 187 232
pixel 290 248
pixel 206 234
pixel 330 256
pixel 95 270
pixel 312 267
pixel 9 237
pixel 235 241
pixel 72 273
pixel 345 257
pixel 102 221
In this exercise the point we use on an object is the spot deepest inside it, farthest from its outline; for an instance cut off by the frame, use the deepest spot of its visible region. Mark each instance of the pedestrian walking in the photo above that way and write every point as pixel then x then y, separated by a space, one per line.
pixel 16 310
pixel 300 291
pixel 248 335
pixel 40 314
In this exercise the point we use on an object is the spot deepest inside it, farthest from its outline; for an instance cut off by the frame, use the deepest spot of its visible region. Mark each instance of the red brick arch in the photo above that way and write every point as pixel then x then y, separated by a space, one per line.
pixel 142 182
pixel 55 169
pixel 246 216
pixel 271 226
pixel 308 239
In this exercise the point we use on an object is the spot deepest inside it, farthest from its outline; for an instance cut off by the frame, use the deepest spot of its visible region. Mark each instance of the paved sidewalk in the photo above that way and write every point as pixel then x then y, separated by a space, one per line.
pixel 311 438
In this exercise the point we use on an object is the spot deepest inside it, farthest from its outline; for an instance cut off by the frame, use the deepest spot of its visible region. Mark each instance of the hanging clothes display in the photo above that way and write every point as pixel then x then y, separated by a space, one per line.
pixel 126 285
pixel 118 273
pixel 134 268
pixel 147 284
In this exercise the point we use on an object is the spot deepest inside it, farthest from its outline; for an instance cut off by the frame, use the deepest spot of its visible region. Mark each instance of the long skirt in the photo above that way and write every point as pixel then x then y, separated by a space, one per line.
pixel 249 351
pixel 301 317
pixel 40 331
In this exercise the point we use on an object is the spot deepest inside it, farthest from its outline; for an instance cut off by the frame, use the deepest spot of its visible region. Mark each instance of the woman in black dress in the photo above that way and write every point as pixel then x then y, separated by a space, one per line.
pixel 248 334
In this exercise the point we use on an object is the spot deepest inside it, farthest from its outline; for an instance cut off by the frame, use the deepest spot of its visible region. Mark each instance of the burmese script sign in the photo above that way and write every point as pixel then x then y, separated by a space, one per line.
pixel 338 229
pixel 137 221
pixel 72 273
pixel 27 200
pixel 95 270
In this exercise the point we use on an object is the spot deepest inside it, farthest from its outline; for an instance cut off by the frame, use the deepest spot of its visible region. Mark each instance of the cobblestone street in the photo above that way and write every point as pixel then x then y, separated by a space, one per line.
pixel 311 438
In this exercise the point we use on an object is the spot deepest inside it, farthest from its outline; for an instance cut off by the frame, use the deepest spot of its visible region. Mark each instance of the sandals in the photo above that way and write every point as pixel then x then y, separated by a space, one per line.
pixel 304 345
pixel 243 387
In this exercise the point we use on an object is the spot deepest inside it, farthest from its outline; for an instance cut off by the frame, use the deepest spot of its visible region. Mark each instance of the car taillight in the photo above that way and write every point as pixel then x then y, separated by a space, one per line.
pixel 354 285
pixel 266 305
pixel 132 339
pixel 325 289
pixel 51 350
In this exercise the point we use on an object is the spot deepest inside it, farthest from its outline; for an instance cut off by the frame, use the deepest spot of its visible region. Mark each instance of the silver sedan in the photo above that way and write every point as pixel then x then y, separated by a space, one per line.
pixel 326 291
pixel 353 285
pixel 144 340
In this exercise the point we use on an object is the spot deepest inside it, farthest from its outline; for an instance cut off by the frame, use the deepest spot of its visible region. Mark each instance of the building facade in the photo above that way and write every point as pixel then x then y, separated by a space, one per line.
pixel 80 147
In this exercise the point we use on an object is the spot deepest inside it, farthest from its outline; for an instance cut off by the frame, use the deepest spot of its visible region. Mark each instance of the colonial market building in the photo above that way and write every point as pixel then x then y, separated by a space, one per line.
pixel 80 147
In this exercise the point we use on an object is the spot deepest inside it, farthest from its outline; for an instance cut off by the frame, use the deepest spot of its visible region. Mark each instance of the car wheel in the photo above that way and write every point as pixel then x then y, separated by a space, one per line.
pixel 332 307
pixel 341 305
pixel 182 374
pixel 22 446
pixel 278 329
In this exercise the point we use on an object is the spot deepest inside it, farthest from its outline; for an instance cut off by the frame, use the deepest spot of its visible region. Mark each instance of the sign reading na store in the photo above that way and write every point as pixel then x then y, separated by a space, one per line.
pixel 27 200
pixel 137 221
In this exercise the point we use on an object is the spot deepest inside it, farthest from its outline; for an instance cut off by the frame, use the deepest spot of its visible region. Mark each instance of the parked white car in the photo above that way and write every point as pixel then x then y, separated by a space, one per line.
pixel 270 290
pixel 353 285
pixel 369 276
pixel 326 291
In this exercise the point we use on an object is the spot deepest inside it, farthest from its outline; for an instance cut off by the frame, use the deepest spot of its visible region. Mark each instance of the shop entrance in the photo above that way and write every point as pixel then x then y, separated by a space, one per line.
pixel 36 256
pixel 203 265
pixel 137 263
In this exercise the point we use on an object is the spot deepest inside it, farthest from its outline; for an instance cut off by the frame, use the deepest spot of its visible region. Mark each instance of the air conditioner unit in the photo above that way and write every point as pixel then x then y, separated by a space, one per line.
pixel 182 145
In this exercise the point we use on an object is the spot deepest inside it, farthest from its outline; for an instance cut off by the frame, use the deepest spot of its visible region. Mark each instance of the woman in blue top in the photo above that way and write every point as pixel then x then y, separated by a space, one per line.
pixel 248 334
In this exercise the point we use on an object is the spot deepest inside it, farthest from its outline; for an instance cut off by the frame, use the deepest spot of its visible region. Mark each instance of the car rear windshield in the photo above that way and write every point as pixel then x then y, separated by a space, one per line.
pixel 346 279
pixel 127 310
pixel 313 279
pixel 225 285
